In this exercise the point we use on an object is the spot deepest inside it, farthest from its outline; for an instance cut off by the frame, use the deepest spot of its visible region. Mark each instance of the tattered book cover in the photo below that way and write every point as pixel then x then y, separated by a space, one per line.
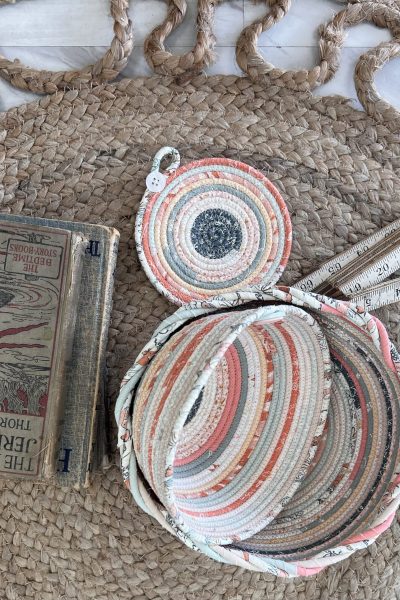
pixel 35 300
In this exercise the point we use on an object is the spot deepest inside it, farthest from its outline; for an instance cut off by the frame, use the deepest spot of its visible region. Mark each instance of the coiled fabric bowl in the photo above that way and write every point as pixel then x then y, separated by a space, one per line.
pixel 263 429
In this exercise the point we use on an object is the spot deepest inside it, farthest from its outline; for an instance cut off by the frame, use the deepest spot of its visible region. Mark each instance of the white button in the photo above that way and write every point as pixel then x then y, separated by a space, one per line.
pixel 156 181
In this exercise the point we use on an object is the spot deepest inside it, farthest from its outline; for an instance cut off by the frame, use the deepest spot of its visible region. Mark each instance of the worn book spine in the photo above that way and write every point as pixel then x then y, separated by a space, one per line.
pixel 100 442
pixel 97 427
pixel 39 274
pixel 83 442
pixel 68 320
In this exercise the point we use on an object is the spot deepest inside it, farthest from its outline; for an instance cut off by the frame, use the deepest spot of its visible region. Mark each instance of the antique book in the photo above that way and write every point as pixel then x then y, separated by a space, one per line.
pixel 40 270
pixel 83 446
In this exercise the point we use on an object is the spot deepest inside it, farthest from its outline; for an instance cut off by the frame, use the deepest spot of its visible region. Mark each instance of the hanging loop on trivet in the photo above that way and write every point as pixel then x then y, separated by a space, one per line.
pixel 105 69
pixel 192 62
pixel 155 180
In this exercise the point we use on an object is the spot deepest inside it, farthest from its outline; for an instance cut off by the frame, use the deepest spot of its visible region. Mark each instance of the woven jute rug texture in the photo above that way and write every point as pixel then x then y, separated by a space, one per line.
pixel 83 154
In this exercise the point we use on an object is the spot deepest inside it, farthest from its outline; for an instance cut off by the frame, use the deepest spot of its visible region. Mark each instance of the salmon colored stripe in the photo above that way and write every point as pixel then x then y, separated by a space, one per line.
pixel 170 380
pixel 279 447
pixel 263 419
pixel 385 344
pixel 148 387
pixel 227 414
pixel 373 532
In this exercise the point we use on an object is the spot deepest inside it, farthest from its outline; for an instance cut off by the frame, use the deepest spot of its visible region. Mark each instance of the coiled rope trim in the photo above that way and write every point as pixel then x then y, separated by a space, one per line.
pixel 105 69
pixel 184 67
pixel 332 36
pixel 193 62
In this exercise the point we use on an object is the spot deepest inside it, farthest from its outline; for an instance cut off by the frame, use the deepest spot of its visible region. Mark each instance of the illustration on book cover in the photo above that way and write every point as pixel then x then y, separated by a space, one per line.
pixel 32 262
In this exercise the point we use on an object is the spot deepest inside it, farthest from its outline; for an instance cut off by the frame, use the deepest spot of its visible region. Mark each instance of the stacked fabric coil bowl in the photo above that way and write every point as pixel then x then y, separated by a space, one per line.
pixel 263 429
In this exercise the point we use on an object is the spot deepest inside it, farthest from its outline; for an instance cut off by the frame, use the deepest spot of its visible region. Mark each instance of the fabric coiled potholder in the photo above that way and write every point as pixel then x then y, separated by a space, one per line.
pixel 188 441
pixel 210 227
pixel 83 153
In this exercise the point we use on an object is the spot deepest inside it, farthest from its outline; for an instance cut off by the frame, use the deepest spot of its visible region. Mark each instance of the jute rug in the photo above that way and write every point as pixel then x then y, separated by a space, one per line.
pixel 83 154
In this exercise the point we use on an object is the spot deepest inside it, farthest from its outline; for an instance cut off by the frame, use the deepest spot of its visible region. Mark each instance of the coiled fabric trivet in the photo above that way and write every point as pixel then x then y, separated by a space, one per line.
pixel 212 226
pixel 211 472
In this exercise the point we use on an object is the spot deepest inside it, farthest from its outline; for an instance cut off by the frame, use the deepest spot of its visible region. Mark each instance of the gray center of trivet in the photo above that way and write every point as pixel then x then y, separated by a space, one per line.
pixel 215 233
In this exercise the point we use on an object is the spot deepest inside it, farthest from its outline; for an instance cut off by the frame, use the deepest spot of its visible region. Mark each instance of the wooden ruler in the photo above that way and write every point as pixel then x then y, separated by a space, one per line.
pixel 358 273
pixel 379 295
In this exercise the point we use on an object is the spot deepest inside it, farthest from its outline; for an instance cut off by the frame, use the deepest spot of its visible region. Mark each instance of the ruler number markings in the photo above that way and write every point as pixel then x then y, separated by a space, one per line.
pixel 359 271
